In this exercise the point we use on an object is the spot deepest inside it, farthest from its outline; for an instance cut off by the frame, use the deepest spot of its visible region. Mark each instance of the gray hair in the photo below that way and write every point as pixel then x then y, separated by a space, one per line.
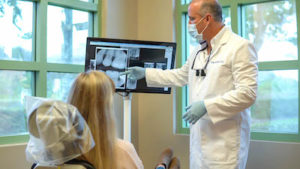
pixel 210 6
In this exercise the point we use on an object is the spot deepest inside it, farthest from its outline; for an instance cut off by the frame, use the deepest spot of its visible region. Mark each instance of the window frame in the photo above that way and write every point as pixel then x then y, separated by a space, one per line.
pixel 236 26
pixel 39 65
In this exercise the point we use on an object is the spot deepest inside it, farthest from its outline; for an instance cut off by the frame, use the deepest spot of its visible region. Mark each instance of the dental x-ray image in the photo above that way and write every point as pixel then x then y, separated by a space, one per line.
pixel 148 65
pixel 162 66
pixel 118 80
pixel 112 61
pixel 134 53
pixel 114 56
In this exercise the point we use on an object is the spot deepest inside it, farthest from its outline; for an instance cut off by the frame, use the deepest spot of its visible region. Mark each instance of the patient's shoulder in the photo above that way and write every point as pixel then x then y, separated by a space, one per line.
pixel 126 152
pixel 124 144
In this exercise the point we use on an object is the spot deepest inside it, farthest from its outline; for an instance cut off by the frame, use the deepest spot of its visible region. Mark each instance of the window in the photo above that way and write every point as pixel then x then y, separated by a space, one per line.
pixel 14 86
pixel 42 50
pixel 16 31
pixel 66 35
pixel 59 84
pixel 272 27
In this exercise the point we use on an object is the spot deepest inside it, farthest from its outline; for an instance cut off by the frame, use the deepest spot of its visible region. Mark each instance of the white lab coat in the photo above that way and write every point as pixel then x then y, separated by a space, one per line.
pixel 220 139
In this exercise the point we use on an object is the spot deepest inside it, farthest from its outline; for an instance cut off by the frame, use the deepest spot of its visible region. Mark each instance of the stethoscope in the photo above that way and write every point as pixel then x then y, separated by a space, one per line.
pixel 201 71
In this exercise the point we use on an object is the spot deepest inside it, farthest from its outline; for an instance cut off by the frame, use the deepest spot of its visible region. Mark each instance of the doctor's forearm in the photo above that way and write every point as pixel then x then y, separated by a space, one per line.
pixel 162 78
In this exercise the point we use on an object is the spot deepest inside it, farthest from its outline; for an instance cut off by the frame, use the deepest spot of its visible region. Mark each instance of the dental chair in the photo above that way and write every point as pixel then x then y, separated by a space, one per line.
pixel 58 135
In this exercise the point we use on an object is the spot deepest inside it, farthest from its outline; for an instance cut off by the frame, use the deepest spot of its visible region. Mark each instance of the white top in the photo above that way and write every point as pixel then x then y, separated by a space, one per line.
pixel 127 157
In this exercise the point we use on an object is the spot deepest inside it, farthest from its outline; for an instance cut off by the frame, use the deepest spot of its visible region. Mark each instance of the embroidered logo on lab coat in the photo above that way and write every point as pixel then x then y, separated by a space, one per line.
pixel 217 61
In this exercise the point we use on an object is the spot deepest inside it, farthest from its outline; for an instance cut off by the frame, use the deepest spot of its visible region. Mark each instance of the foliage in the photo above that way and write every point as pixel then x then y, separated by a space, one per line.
pixel 266 19
pixel 16 10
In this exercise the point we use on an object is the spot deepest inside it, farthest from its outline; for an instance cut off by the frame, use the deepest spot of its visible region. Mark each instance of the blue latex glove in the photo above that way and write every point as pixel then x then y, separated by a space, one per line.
pixel 194 112
pixel 134 73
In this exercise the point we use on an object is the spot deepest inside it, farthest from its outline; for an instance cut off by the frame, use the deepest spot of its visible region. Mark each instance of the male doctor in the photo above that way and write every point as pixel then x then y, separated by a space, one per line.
pixel 222 78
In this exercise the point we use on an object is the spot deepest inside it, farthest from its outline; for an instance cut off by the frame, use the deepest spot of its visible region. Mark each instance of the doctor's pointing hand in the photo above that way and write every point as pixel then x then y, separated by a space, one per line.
pixel 134 73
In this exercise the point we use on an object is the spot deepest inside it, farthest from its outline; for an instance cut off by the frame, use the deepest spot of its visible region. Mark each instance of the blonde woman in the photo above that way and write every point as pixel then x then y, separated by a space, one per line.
pixel 92 93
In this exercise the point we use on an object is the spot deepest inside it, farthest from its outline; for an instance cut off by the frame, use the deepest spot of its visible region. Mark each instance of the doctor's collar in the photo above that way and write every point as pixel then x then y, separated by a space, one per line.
pixel 203 46
pixel 217 40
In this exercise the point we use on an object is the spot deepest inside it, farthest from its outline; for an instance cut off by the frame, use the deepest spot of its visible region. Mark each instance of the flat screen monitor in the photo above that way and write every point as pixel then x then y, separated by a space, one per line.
pixel 114 56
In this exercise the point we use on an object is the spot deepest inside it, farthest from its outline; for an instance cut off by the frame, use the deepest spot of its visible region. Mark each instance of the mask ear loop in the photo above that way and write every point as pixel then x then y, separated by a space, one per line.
pixel 204 29
pixel 205 26
pixel 198 22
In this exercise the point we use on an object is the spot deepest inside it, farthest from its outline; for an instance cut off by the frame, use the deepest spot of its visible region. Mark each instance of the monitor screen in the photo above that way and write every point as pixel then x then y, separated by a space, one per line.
pixel 114 56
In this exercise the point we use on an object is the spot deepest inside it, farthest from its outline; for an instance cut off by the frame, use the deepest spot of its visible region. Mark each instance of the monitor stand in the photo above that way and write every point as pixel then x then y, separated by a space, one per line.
pixel 127 116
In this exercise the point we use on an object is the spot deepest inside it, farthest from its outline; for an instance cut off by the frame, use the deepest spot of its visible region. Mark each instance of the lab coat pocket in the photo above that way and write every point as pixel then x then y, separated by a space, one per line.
pixel 220 73
pixel 219 142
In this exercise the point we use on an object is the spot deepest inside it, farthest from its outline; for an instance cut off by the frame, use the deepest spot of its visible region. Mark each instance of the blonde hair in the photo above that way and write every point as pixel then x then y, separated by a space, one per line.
pixel 92 93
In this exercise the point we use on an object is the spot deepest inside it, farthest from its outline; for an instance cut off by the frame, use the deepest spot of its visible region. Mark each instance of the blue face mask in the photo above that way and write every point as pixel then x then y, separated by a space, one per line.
pixel 194 32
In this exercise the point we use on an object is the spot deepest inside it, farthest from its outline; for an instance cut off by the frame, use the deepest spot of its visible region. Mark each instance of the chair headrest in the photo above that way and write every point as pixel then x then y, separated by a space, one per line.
pixel 58 132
